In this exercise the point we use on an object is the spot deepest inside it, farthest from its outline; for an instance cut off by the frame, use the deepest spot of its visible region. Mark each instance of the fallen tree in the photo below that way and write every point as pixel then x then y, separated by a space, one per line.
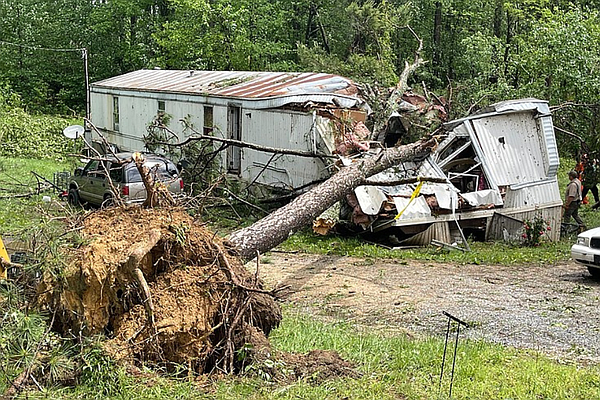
pixel 277 226
pixel 169 292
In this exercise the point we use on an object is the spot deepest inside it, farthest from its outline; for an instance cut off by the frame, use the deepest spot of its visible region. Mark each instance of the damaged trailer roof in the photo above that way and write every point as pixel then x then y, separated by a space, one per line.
pixel 505 157
pixel 263 89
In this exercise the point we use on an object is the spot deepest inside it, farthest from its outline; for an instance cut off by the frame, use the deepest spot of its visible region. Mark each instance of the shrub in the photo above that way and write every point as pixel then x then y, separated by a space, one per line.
pixel 534 229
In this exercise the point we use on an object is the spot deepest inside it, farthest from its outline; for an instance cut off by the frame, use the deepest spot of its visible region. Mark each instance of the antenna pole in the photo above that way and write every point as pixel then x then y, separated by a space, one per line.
pixel 87 84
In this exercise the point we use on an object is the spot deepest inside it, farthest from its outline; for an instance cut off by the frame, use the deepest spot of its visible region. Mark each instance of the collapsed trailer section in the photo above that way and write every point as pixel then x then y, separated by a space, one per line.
pixel 502 159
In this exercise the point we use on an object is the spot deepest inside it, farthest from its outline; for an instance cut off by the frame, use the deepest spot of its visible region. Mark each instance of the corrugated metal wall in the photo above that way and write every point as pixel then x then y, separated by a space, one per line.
pixel 533 195
pixel 512 148
pixel 551 214
pixel 550 144
pixel 438 230
pixel 500 225
pixel 288 130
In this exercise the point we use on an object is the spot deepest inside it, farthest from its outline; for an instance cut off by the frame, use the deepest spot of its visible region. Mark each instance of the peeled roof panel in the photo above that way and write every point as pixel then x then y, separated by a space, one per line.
pixel 240 84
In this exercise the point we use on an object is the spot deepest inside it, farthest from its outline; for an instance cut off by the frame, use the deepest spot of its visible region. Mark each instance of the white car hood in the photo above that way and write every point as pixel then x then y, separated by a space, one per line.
pixel 594 232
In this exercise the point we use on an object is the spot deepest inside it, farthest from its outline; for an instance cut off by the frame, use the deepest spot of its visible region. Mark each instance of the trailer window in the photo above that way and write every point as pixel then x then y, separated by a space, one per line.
pixel 115 113
pixel 208 120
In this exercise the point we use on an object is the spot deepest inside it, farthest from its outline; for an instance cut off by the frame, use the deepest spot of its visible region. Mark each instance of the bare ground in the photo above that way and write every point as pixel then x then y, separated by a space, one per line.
pixel 548 308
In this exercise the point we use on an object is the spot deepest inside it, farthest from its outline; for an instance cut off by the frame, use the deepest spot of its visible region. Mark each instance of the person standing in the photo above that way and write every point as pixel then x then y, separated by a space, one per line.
pixel 573 200
pixel 590 179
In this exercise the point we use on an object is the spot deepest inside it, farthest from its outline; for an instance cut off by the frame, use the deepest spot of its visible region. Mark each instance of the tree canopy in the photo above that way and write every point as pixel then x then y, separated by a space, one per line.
pixel 476 52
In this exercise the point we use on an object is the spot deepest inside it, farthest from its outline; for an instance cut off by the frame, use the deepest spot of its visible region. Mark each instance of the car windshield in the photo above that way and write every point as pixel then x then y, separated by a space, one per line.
pixel 163 170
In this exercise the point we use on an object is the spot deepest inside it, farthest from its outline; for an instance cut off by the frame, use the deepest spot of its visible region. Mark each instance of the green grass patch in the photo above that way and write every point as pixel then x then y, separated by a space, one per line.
pixel 390 367
pixel 481 252
pixel 23 213
pixel 400 365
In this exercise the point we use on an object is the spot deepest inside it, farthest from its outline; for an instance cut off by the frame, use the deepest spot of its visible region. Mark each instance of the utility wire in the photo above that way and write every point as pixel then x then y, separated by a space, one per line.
pixel 39 48
pixel 84 56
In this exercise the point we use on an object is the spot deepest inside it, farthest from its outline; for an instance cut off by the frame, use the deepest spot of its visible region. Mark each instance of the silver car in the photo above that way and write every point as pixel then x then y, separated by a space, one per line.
pixel 587 251
pixel 103 179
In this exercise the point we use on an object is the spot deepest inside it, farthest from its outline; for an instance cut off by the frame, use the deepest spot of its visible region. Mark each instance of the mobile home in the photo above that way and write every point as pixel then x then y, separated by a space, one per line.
pixel 295 111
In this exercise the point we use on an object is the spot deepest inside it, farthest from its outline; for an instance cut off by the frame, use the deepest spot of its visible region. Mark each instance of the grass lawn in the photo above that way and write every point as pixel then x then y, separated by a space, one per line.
pixel 21 214
pixel 396 367
pixel 390 366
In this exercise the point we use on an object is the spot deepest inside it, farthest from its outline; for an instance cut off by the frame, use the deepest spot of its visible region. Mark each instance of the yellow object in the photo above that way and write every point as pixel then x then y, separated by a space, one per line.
pixel 412 197
pixel 4 255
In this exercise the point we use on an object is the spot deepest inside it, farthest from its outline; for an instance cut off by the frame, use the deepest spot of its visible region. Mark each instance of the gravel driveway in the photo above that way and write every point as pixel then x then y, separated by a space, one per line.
pixel 549 308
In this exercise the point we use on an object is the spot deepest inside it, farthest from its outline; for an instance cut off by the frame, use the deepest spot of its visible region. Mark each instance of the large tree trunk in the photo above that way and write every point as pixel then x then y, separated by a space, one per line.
pixel 276 227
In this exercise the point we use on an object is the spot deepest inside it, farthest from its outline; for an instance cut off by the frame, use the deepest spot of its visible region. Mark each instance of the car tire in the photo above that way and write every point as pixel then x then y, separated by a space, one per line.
pixel 108 201
pixel 594 271
pixel 73 198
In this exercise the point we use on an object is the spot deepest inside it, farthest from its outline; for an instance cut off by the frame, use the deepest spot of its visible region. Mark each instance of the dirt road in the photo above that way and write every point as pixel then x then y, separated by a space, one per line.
pixel 550 308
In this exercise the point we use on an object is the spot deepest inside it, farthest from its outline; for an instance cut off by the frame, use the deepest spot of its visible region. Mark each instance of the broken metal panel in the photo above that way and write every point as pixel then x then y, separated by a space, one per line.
pixel 552 215
pixel 416 209
pixel 324 129
pixel 460 147
pixel 512 148
pixel 504 227
pixel 370 199
pixel 543 192
pixel 519 105
pixel 551 147
pixel 502 158
pixel 444 196
pixel 436 231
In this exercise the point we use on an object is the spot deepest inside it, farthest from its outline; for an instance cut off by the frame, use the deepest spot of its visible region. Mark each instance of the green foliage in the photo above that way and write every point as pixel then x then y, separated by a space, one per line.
pixel 101 377
pixel 31 136
pixel 369 39
pixel 26 342
pixel 360 67
pixel 477 52
pixel 225 35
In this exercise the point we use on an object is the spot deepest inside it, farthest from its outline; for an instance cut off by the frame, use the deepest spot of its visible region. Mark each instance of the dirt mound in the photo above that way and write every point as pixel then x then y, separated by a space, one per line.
pixel 164 288
pixel 319 365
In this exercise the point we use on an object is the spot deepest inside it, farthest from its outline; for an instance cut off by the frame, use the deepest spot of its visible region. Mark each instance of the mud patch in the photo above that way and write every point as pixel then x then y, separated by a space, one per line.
pixel 550 308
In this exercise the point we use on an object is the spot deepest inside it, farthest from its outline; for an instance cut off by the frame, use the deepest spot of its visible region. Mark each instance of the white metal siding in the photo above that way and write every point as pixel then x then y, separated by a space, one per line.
pixel 286 130
pixel 552 215
pixel 550 145
pixel 136 113
pixel 512 148
pixel 534 195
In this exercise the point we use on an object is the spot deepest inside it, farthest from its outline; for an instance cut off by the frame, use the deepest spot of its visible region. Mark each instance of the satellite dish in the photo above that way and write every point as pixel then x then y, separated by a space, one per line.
pixel 73 131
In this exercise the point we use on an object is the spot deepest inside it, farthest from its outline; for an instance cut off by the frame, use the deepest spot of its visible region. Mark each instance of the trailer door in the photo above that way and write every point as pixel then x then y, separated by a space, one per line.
pixel 234 131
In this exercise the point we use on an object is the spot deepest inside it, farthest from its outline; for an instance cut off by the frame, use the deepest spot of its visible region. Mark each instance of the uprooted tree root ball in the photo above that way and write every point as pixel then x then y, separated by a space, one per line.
pixel 164 289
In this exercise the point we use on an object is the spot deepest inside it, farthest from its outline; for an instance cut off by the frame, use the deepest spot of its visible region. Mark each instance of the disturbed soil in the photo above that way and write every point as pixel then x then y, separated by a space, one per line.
pixel 548 308
pixel 163 288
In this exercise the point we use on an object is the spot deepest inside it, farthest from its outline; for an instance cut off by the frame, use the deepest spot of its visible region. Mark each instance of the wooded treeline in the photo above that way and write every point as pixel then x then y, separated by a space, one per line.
pixel 477 52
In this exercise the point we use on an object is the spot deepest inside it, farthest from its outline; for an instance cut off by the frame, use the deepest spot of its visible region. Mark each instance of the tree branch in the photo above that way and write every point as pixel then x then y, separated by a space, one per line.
pixel 232 142
pixel 406 181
